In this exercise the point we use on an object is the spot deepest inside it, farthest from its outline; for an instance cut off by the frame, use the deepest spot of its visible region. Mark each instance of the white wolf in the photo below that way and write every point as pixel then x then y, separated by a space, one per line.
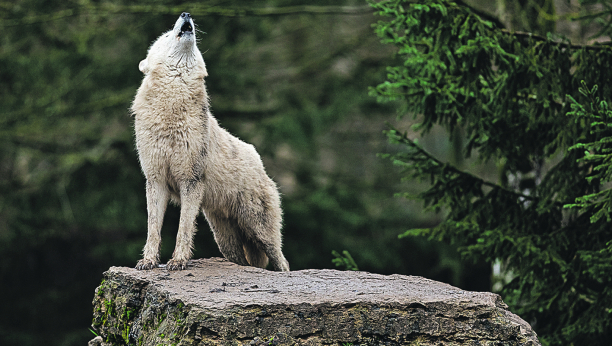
pixel 188 158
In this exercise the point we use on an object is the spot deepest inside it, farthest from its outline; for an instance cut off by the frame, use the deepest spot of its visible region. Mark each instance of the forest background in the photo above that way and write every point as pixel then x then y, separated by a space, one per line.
pixel 291 77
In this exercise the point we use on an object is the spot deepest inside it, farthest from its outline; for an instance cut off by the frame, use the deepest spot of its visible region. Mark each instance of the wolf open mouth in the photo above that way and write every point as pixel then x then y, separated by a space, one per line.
pixel 186 28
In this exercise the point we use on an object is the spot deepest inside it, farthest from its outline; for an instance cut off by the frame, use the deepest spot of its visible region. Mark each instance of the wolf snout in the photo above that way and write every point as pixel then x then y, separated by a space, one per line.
pixel 187 27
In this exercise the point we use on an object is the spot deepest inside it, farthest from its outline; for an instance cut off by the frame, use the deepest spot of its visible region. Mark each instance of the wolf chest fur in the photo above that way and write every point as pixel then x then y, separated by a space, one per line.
pixel 188 158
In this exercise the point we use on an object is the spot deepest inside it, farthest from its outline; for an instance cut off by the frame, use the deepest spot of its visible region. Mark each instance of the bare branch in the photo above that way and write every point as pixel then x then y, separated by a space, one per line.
pixel 528 35
pixel 404 139
pixel 195 9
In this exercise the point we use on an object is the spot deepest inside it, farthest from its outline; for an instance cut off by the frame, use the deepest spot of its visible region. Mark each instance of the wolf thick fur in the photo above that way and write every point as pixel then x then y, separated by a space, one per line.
pixel 187 157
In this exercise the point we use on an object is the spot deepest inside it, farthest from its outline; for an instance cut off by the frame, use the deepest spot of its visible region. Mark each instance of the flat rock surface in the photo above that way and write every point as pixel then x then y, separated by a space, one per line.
pixel 217 302
pixel 217 283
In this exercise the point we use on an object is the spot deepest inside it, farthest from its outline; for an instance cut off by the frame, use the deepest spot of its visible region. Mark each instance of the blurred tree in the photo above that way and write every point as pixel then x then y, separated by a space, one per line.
pixel 536 16
pixel 507 91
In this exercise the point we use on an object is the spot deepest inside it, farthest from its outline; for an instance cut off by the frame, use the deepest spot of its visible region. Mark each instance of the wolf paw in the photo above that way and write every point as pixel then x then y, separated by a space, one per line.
pixel 176 264
pixel 146 264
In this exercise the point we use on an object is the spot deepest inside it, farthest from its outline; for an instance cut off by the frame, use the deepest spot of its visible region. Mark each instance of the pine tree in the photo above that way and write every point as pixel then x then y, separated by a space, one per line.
pixel 530 104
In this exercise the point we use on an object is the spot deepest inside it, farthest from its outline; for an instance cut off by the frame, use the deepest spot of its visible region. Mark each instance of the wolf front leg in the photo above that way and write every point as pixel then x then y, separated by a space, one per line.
pixel 191 199
pixel 157 200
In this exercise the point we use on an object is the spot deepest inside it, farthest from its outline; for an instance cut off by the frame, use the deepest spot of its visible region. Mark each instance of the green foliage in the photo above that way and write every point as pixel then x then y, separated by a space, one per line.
pixel 507 92
pixel 344 260
pixel 597 118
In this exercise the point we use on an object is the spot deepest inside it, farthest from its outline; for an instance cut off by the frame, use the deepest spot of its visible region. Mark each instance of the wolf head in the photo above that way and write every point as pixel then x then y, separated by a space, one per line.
pixel 183 28
pixel 175 50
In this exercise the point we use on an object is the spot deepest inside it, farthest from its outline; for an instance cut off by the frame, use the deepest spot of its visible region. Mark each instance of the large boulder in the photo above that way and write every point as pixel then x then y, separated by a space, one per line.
pixel 215 302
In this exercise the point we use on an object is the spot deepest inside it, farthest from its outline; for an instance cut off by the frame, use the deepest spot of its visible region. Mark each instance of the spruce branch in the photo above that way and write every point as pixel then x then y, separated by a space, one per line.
pixel 402 138
pixel 504 88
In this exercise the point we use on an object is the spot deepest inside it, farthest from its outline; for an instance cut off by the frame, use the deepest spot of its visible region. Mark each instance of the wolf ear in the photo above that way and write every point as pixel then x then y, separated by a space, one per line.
pixel 143 66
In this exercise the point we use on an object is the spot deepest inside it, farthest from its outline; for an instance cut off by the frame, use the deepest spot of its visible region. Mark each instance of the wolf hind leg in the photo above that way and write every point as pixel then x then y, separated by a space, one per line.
pixel 264 240
pixel 255 255
pixel 260 251
pixel 261 221
pixel 228 237
pixel 276 257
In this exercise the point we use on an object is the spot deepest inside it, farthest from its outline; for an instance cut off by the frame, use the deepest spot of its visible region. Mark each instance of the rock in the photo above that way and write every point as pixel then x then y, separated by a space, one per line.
pixel 97 341
pixel 215 302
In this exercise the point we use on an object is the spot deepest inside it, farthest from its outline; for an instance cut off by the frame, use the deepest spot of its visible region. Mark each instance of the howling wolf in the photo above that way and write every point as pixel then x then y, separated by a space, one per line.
pixel 188 158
